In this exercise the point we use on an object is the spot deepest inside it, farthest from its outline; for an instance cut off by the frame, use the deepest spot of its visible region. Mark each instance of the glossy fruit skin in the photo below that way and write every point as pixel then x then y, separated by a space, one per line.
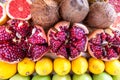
pixel 26 67
pixel 96 66
pixel 84 76
pixel 79 65
pixel 19 77
pixel 38 77
pixel 62 66
pixel 112 67
pixel 116 77
pixel 102 76
pixel 7 70
pixel 64 77
pixel 44 66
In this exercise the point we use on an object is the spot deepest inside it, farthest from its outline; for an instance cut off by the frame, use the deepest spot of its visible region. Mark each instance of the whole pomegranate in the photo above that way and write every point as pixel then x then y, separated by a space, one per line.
pixel 68 41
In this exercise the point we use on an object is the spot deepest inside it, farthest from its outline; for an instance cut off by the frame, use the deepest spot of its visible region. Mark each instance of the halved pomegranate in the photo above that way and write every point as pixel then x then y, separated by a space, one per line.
pixel 104 44
pixel 66 41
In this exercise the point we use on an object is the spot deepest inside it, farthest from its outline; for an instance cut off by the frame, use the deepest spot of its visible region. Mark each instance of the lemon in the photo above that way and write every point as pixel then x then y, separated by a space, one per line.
pixel 113 67
pixel 26 67
pixel 62 66
pixel 44 66
pixel 79 65
pixel 7 70
pixel 96 66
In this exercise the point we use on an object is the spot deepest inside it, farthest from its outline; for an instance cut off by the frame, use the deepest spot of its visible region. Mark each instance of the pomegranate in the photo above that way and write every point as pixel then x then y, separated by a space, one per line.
pixel 104 44
pixel 66 41
pixel 19 40
pixel 37 43
pixel 116 4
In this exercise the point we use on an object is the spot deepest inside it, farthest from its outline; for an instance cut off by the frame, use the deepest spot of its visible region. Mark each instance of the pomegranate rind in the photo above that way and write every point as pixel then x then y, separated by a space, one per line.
pixel 62 23
pixel 12 16
pixel 93 35
pixel 66 44
pixel 33 45
pixel 3 19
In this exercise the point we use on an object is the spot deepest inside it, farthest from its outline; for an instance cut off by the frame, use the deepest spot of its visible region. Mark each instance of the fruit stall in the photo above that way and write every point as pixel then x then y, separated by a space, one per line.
pixel 59 39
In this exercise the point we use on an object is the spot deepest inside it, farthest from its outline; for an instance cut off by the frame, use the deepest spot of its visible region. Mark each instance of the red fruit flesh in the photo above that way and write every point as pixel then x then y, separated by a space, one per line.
pixel 104 45
pixel 21 27
pixel 1 11
pixel 6 34
pixel 18 9
pixel 19 40
pixel 11 54
pixel 66 41
pixel 116 4
pixel 37 43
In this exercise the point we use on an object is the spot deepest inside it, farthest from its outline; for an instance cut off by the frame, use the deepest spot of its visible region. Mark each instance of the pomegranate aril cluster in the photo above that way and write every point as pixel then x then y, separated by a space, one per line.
pixel 67 41
pixel 19 40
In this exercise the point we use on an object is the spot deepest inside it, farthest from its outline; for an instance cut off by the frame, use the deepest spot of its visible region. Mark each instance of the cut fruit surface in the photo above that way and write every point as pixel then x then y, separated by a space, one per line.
pixel 3 15
pixel 18 9
pixel 116 4
pixel 104 44
pixel 66 41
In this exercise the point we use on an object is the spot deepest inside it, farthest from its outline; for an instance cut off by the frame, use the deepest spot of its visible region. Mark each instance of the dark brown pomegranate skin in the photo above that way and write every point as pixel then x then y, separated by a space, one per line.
pixel 104 44
pixel 66 41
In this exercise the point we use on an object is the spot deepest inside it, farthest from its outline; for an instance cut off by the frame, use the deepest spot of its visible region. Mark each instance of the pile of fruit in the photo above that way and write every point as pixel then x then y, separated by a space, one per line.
pixel 59 39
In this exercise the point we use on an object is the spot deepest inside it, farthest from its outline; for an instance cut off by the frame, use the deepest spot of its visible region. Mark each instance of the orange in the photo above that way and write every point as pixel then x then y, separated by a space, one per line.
pixel 79 65
pixel 26 67
pixel 3 14
pixel 113 67
pixel 96 66
pixel 44 66
pixel 7 70
pixel 62 66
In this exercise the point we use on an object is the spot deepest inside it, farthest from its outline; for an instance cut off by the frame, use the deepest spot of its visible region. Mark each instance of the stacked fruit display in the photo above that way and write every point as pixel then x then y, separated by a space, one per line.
pixel 60 40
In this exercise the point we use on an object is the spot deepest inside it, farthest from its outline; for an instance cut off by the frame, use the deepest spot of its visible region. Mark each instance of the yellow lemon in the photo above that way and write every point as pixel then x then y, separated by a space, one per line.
pixel 44 66
pixel 26 67
pixel 62 66
pixel 7 70
pixel 96 66
pixel 113 67
pixel 79 65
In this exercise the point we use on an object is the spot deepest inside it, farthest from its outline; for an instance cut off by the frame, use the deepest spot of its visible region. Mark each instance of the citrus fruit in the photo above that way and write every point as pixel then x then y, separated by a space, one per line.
pixel 38 77
pixel 62 66
pixel 19 77
pixel 18 9
pixel 112 67
pixel 26 67
pixel 44 66
pixel 116 77
pixel 3 15
pixel 7 70
pixel 96 66
pixel 79 65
